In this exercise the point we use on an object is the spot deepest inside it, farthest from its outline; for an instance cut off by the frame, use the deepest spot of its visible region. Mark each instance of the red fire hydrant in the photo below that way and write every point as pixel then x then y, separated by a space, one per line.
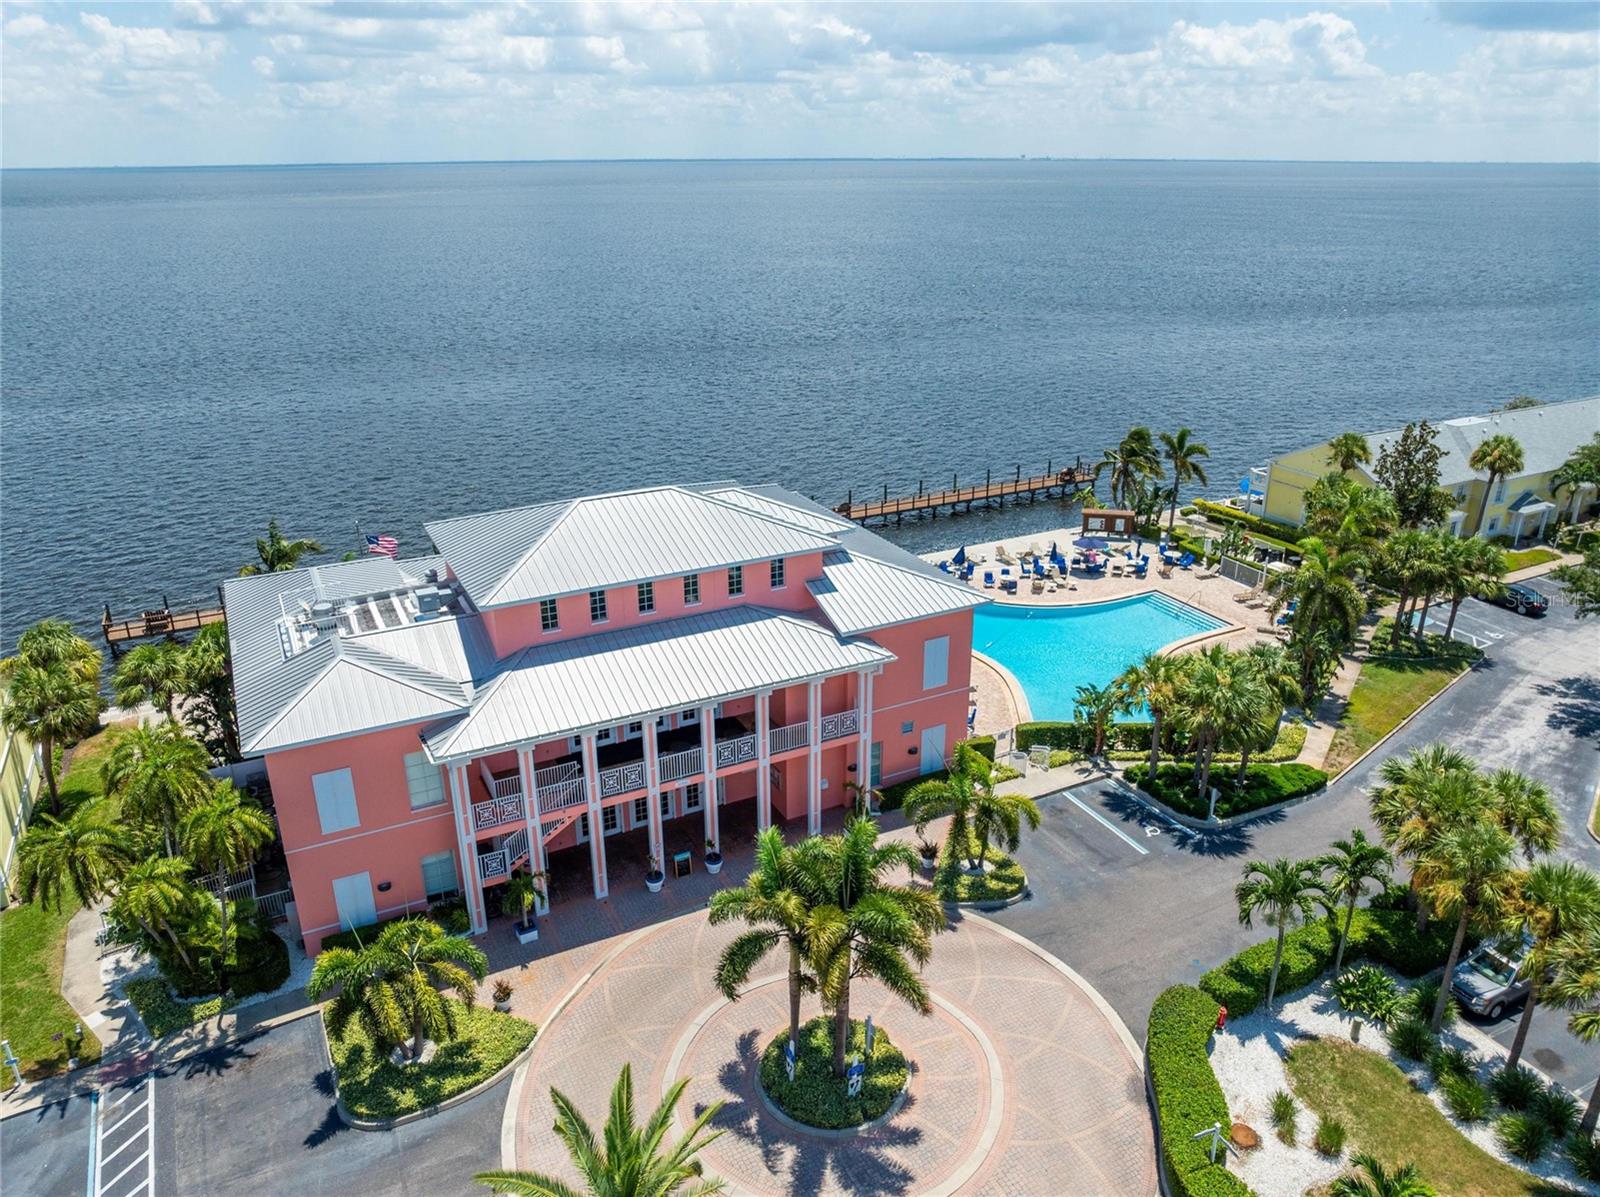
pixel 1222 1017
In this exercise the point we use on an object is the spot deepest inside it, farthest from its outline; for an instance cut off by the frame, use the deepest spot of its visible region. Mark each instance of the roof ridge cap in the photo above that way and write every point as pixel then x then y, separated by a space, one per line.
pixel 764 517
pixel 942 580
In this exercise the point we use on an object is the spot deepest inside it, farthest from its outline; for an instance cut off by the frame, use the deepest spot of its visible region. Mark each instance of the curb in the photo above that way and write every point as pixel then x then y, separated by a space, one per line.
pixel 1406 722
pixel 1019 697
pixel 990 904
pixel 1166 812
pixel 449 1103
pixel 834 1134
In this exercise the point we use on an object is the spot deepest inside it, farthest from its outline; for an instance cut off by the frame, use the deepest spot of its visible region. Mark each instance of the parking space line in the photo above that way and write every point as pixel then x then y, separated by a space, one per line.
pixel 130 1114
pixel 145 1090
pixel 126 1143
pixel 1107 824
pixel 90 1185
pixel 129 1169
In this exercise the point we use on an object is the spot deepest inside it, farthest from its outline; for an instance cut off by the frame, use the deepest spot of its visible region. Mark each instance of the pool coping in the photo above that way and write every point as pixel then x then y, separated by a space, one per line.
pixel 1019 696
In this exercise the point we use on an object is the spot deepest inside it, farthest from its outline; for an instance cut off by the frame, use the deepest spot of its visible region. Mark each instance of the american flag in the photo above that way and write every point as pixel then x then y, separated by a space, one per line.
pixel 386 546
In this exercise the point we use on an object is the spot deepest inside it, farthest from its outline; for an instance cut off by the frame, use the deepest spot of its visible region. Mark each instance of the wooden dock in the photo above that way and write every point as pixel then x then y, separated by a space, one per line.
pixel 163 621
pixel 1052 483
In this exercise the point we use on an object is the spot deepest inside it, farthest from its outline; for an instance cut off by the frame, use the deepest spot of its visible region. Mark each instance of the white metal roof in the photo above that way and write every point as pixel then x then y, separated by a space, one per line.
pixel 859 593
pixel 517 556
pixel 1547 433
pixel 611 678
pixel 782 505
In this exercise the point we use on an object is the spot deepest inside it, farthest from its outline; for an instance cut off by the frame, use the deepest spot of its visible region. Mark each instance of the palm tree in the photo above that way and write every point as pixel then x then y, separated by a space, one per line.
pixel 1155 680
pixel 83 851
pixel 1500 456
pixel 223 833
pixel 1422 796
pixel 208 681
pixel 1284 893
pixel 1580 469
pixel 54 707
pixel 153 893
pixel 1349 866
pixel 776 901
pixel 1524 809
pixel 159 774
pixel 1223 701
pixel 277 553
pixel 1467 875
pixel 1348 515
pixel 1184 456
pixel 865 927
pixel 1327 603
pixel 1097 706
pixel 1135 458
pixel 1349 450
pixel 1556 898
pixel 1404 1181
pixel 52 644
pixel 1276 670
pixel 627 1160
pixel 1398 566
pixel 153 673
pixel 1432 574
pixel 1474 568
pixel 391 985
pixel 978 815
pixel 1575 986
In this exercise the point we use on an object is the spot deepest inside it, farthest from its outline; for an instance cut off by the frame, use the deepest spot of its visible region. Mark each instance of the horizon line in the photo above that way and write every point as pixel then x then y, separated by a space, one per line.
pixel 643 161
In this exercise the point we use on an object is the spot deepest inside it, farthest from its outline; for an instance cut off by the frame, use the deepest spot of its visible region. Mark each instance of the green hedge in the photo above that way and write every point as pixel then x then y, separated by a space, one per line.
pixel 1079 737
pixel 983 744
pixel 258 962
pixel 1264 785
pixel 1258 528
pixel 162 1013
pixel 818 1098
pixel 1188 1097
pixel 1387 937
pixel 953 884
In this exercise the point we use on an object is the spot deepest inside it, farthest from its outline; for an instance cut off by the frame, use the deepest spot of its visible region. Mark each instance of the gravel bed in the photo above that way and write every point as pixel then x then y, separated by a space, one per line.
pixel 1247 1057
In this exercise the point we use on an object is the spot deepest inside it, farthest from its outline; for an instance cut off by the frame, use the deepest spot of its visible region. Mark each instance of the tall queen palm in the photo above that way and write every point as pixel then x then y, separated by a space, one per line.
pixel 1155 680
pixel 1327 602
pixel 1348 868
pixel 275 552
pixel 1184 455
pixel 153 673
pixel 224 832
pixel 159 773
pixel 83 851
pixel 1499 456
pixel 152 894
pixel 978 814
pixel 1283 893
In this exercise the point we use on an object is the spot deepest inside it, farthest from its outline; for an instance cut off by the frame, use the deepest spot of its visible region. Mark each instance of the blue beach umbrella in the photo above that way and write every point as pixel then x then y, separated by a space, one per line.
pixel 961 556
pixel 1091 542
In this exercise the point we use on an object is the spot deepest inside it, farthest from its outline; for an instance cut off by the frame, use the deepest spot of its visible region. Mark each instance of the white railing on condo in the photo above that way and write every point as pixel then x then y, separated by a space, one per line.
pixel 560 786
pixel 736 751
pixel 619 779
pixel 789 736
pixel 493 865
pixel 516 846
pixel 276 904
pixel 845 723
pixel 496 811
pixel 240 883
pixel 509 786
pixel 676 765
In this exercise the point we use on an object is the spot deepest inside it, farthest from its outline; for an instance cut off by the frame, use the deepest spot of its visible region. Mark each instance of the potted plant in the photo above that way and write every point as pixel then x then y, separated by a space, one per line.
pixel 713 857
pixel 524 889
pixel 502 996
pixel 654 878
pixel 929 853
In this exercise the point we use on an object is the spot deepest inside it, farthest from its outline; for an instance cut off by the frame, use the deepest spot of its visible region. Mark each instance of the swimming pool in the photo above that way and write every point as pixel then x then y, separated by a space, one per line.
pixel 1052 651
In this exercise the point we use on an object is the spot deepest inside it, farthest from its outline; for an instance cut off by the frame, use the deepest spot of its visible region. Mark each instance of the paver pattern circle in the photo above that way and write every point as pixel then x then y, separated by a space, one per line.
pixel 1072 1119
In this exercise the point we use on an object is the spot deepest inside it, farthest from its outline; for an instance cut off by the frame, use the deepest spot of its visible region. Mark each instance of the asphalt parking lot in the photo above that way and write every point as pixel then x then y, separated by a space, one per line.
pixel 45 1152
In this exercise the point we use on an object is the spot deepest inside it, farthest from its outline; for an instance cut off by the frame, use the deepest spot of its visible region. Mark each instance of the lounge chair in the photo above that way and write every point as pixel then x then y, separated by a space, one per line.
pixel 1038 586
pixel 1009 586
pixel 1141 567
pixel 1186 561
pixel 944 566
pixel 988 579
pixel 1003 556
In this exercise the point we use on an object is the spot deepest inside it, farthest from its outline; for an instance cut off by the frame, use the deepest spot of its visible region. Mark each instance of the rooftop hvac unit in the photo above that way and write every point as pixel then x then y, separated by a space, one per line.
pixel 325 615
pixel 431 599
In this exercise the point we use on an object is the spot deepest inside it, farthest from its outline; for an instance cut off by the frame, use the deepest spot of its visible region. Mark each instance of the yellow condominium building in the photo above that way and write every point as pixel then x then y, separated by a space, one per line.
pixel 1520 507
pixel 19 781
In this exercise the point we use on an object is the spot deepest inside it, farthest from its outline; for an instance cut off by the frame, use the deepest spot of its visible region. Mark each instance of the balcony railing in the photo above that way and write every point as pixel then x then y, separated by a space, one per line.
pixel 560 786
pixel 845 723
pixel 619 779
pixel 675 766
pixel 497 811
pixel 737 751
pixel 497 864
pixel 509 786
pixel 789 736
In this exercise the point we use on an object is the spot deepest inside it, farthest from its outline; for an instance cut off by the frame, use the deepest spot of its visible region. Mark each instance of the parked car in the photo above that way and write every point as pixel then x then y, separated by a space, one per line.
pixel 1524 600
pixel 1486 982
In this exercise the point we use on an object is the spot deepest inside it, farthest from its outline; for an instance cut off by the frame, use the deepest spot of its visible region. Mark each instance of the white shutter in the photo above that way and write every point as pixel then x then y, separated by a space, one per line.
pixel 336 800
pixel 935 662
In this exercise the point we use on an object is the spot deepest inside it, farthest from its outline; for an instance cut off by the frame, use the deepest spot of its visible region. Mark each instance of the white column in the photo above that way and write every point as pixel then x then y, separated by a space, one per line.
pixel 467 842
pixel 864 728
pixel 763 760
pixel 534 824
pixel 597 832
pixel 652 779
pixel 814 759
pixel 708 749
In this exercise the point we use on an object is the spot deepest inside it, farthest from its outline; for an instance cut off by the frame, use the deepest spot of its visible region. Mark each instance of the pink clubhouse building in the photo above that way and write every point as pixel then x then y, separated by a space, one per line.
pixel 650 660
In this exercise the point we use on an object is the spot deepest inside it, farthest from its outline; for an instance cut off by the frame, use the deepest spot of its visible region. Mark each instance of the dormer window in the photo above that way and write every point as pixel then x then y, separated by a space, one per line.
pixel 735 581
pixel 597 606
pixel 549 617
pixel 691 590
pixel 775 574
pixel 647 597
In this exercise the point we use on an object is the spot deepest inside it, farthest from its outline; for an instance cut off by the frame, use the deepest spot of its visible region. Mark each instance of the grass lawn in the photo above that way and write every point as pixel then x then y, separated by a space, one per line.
pixel 1524 558
pixel 1390 687
pixel 372 1087
pixel 1397 1124
pixel 33 943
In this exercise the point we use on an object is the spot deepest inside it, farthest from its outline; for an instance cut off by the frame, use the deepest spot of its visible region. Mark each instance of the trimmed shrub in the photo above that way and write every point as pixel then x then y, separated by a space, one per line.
pixel 1263 785
pixel 1446 1062
pixel 1278 535
pixel 1515 1087
pixel 982 744
pixel 1394 896
pixel 1330 1136
pixel 1467 1099
pixel 1412 1039
pixel 1523 1135
pixel 1556 1108
pixel 1583 1151
pixel 1367 991
pixel 1418 1002
pixel 818 1098
pixel 1283 1116
pixel 1123 737
pixel 1188 1097
pixel 894 797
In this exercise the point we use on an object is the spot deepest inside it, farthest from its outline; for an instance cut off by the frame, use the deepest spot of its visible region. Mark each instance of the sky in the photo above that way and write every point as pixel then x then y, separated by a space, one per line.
pixel 208 82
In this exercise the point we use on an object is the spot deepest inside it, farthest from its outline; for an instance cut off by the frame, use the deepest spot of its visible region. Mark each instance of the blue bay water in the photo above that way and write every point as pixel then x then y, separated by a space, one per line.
pixel 187 352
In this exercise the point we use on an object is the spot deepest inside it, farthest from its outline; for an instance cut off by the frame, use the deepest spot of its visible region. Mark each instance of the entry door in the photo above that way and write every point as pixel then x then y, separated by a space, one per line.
pixel 932 749
pixel 352 896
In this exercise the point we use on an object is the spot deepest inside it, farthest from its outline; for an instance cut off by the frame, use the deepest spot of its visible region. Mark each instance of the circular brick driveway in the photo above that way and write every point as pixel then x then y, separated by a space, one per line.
pixel 1022 1080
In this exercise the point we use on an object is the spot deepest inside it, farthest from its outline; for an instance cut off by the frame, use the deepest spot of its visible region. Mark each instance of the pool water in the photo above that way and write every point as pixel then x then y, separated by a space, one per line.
pixel 1051 651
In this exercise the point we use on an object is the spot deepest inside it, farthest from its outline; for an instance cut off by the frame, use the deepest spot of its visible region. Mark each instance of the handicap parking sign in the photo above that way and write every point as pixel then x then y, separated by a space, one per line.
pixel 789 1058
pixel 856 1074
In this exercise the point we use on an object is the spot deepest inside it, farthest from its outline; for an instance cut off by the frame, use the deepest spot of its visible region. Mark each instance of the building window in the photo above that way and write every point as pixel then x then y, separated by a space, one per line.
pixel 875 777
pixel 583 828
pixel 597 606
pixel 775 574
pixel 439 875
pixel 336 801
pixel 610 821
pixel 691 797
pixel 424 781
pixel 1461 494
pixel 735 581
pixel 1494 523
pixel 685 718
pixel 666 804
pixel 1500 491
pixel 647 597
pixel 605 735
pixel 635 730
pixel 691 590
pixel 641 811
pixel 935 662
pixel 907 727
pixel 549 617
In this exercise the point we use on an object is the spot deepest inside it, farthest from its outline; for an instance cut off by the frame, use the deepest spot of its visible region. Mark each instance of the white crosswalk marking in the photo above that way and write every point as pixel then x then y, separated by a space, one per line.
pixel 128 1121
